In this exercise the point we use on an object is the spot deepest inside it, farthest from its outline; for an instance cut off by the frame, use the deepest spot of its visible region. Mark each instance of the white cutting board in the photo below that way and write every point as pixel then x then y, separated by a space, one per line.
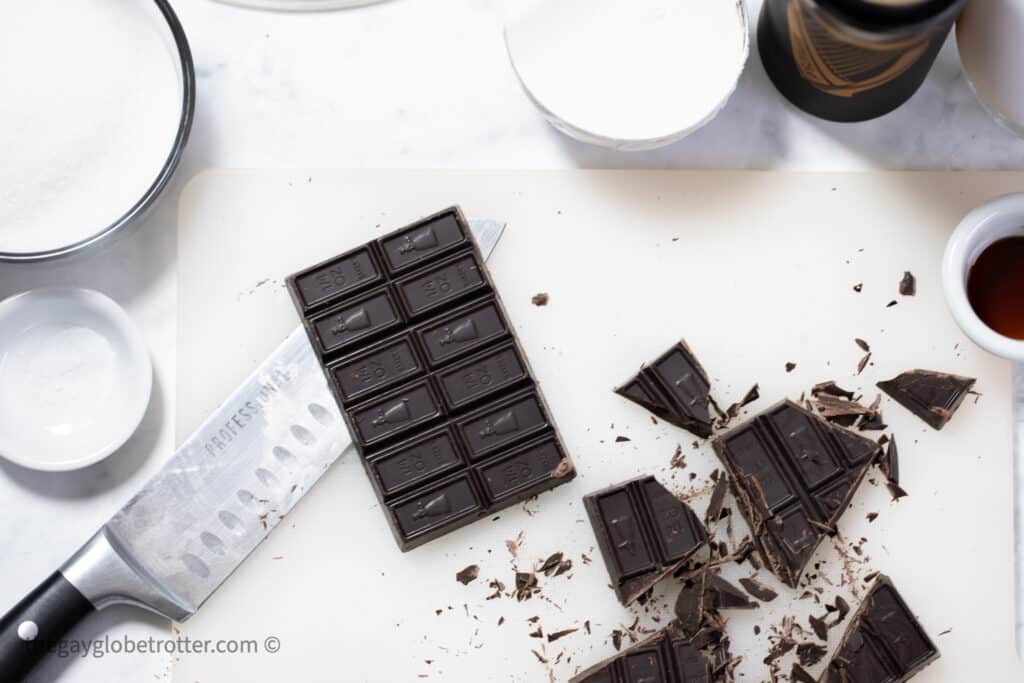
pixel 753 269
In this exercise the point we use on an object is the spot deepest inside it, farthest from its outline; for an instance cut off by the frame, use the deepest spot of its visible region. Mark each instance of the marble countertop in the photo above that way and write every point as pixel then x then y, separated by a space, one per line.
pixel 412 84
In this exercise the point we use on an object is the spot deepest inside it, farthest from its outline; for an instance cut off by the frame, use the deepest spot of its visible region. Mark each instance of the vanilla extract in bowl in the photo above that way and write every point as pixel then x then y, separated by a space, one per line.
pixel 995 286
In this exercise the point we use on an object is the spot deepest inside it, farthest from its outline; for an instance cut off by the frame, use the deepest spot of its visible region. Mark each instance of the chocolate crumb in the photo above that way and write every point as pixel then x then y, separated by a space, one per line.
pixel 948 630
pixel 810 654
pixel 872 516
pixel 891 304
pixel 622 439
pixel 501 620
pixel 540 299
pixel 858 287
pixel 586 627
pixel 758 589
pixel 908 285
pixel 757 630
pixel 468 575
pixel 617 639
pixel 790 367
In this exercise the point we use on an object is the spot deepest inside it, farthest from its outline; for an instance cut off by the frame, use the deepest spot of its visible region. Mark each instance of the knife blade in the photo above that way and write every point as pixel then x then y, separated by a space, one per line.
pixel 222 492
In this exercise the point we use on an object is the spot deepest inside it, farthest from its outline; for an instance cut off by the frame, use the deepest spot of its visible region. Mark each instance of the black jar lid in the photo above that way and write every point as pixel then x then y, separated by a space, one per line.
pixel 879 15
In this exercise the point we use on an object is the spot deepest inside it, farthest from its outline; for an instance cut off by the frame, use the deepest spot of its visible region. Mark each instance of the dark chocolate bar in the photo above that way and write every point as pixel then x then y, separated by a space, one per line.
pixel 932 396
pixel 793 474
pixel 675 388
pixel 665 657
pixel 884 641
pixel 644 533
pixel 418 351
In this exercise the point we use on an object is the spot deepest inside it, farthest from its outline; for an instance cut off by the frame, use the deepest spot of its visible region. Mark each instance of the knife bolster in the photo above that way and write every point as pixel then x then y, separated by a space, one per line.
pixel 106 576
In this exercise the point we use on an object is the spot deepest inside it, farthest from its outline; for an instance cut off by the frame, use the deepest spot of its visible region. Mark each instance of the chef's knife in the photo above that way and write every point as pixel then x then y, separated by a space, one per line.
pixel 226 487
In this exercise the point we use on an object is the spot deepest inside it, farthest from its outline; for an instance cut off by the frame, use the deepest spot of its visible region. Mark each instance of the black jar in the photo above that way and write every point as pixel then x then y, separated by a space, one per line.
pixel 851 60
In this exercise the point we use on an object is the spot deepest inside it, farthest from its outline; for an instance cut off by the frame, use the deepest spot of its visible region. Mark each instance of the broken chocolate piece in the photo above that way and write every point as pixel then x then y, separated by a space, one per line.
pixel 666 657
pixel 675 388
pixel 908 285
pixel 720 594
pixel 932 396
pixel 689 606
pixel 864 346
pixel 468 575
pixel 793 475
pixel 896 491
pixel 819 627
pixel 830 388
pixel 540 299
pixel 418 351
pixel 790 367
pixel 884 642
pixel 644 532
pixel 758 589
pixel 810 654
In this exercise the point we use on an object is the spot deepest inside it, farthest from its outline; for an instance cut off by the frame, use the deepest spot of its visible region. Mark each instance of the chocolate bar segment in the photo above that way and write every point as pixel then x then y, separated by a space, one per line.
pixel 463 332
pixel 410 463
pixel 424 240
pixel 793 474
pixel 884 641
pixel 340 276
pixel 499 425
pixel 383 366
pixel 644 533
pixel 433 386
pixel 348 324
pixel 666 657
pixel 932 396
pixel 675 388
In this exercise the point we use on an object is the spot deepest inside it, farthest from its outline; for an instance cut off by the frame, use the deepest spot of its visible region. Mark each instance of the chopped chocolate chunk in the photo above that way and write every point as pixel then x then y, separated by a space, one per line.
pixel 799 675
pixel 793 475
pixel 468 575
pixel 675 388
pixel 689 607
pixel 758 589
pixel 932 396
pixel 714 511
pixel 862 344
pixel 540 299
pixel 526 585
pixel 622 439
pixel 810 654
pixel 644 532
pixel 872 516
pixel 552 637
pixel 551 564
pixel 790 367
pixel 617 639
pixel 891 303
pixel 842 608
pixel 586 627
pixel 884 641
pixel 858 287
pixel 733 410
pixel 667 656
pixel 908 285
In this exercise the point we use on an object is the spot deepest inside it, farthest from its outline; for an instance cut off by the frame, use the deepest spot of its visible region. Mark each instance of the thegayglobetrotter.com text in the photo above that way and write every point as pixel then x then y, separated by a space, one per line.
pixel 97 648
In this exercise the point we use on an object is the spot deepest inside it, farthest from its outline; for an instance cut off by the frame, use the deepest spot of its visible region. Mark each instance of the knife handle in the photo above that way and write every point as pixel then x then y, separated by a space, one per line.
pixel 37 623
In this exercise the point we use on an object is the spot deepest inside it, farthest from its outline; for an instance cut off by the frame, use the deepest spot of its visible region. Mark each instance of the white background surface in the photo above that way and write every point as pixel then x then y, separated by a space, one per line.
pixel 414 84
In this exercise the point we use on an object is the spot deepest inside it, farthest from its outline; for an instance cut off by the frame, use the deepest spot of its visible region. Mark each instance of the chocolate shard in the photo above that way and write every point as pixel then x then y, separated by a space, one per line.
pixel 793 475
pixel 830 388
pixel 689 606
pixel 932 396
pixel 884 642
pixel 800 675
pixel 675 388
pixel 468 575
pixel 644 532
pixel 758 589
pixel 723 595
pixel 714 511
pixel 668 656
pixel 890 463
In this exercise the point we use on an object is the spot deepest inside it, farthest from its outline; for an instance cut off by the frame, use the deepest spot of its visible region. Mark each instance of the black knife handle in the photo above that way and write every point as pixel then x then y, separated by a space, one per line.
pixel 38 623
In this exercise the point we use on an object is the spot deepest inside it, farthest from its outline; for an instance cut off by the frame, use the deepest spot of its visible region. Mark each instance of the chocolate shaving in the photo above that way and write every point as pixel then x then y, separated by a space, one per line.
pixel 714 511
pixel 862 344
pixel 552 637
pixel 863 363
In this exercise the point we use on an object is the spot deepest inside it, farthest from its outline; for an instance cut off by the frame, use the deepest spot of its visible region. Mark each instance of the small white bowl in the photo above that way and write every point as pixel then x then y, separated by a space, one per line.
pixel 75 378
pixel 990 222
pixel 629 74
